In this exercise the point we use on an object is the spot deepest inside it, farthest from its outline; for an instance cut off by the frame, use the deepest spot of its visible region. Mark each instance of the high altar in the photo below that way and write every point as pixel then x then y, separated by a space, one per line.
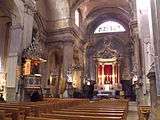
pixel 108 74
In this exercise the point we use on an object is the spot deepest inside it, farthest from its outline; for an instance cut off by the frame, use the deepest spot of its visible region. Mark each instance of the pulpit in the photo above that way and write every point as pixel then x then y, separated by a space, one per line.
pixel 31 77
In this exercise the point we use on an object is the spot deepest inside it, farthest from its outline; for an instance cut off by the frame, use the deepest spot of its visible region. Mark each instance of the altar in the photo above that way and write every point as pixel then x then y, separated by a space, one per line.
pixel 108 75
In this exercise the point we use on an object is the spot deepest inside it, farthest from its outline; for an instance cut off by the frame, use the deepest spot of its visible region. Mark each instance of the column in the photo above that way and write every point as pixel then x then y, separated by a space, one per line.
pixel 118 73
pixel 3 42
pixel 67 63
pixel 153 94
pixel 154 76
pixel 138 61
pixel 103 76
pixel 12 61
pixel 135 36
pixel 29 10
pixel 113 74
pixel 4 39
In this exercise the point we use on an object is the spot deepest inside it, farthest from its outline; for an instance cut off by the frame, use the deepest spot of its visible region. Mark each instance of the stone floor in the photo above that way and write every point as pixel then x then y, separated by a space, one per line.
pixel 133 113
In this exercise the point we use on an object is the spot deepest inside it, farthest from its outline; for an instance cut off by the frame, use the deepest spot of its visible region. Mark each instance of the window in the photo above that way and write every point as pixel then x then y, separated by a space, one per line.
pixel 109 26
pixel 77 17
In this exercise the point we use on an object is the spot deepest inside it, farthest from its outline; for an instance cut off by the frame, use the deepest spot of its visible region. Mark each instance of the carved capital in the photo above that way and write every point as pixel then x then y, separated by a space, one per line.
pixel 30 6
pixel 16 26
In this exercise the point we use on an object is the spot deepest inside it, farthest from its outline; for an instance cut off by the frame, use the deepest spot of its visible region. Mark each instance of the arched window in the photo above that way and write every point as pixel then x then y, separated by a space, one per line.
pixel 109 26
pixel 77 17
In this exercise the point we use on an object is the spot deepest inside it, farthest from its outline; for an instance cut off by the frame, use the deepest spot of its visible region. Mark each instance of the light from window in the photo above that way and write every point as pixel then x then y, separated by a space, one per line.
pixel 77 18
pixel 0 65
pixel 109 26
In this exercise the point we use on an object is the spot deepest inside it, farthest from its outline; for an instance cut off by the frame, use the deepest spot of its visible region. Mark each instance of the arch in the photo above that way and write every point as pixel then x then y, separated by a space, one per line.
pixel 99 16
pixel 39 21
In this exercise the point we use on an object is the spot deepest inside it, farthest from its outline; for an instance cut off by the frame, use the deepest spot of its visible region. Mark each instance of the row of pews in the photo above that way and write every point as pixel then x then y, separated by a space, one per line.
pixel 65 109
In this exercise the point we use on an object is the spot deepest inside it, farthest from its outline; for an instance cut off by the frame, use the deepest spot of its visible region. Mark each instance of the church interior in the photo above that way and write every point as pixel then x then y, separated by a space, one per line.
pixel 79 59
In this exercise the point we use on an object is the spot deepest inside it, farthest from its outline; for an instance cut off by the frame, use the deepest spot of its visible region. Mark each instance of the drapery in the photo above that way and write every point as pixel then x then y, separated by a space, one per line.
pixel 108 73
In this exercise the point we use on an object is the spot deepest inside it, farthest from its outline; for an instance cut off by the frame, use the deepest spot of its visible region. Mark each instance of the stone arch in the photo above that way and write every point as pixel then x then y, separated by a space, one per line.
pixel 95 18
pixel 40 22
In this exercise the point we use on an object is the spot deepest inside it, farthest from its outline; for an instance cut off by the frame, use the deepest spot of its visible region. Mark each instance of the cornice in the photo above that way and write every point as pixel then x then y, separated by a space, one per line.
pixel 64 34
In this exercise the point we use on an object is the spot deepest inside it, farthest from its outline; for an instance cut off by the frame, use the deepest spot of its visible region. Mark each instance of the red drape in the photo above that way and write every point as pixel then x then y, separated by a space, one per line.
pixel 108 73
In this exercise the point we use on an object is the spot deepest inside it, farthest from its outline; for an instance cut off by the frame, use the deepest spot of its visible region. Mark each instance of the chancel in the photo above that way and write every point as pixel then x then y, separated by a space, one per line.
pixel 79 59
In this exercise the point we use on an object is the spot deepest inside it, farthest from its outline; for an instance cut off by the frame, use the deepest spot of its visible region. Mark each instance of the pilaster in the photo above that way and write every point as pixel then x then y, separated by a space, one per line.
pixel 68 67
pixel 12 61
pixel 29 10
pixel 153 93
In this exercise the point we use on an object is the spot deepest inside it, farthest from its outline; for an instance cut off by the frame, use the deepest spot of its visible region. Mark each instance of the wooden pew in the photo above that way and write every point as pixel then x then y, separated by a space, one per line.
pixel 79 117
pixel 2 115
pixel 90 114
pixel 91 111
pixel 13 113
pixel 40 118
pixel 104 109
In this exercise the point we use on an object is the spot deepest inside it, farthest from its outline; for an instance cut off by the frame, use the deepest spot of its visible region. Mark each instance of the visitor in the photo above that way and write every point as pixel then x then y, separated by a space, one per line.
pixel 91 90
pixel 1 98
pixel 36 97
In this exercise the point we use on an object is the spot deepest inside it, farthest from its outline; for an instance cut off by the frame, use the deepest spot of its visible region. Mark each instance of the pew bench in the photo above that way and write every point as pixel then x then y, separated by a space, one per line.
pixel 90 114
pixel 40 118
pixel 80 117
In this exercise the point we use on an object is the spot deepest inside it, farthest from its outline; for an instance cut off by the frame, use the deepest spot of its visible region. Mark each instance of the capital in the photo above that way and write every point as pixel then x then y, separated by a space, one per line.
pixel 16 26
pixel 30 6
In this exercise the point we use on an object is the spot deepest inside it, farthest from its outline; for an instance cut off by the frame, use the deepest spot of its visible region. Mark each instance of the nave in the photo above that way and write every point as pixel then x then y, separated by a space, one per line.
pixel 81 49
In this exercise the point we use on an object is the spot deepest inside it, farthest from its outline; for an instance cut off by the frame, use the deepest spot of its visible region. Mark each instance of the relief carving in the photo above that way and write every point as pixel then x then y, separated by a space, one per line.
pixel 107 52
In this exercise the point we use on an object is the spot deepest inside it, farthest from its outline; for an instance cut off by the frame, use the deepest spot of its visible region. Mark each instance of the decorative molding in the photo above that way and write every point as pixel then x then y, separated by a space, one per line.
pixel 13 55
pixel 30 6
pixel 35 50
pixel 69 30
pixel 16 26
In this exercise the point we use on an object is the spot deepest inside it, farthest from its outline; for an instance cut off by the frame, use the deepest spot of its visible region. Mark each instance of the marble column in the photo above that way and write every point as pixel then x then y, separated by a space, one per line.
pixel 153 93
pixel 12 61
pixel 29 10
pixel 103 76
pixel 138 65
pixel 113 75
pixel 68 62
pixel 3 40
pixel 154 74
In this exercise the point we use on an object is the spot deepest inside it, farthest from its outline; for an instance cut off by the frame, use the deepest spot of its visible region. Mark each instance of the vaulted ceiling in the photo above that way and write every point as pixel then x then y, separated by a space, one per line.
pixel 89 6
pixel 94 12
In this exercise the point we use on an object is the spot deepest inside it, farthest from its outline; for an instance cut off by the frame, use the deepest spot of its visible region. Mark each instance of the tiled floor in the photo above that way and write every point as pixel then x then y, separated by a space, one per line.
pixel 133 114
